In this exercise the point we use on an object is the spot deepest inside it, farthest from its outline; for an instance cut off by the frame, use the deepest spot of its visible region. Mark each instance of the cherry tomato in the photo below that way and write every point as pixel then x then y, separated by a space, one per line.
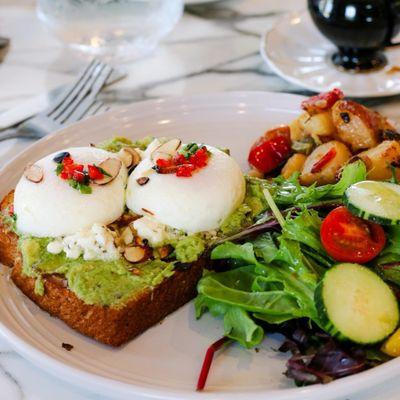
pixel 270 150
pixel 322 102
pixel 348 238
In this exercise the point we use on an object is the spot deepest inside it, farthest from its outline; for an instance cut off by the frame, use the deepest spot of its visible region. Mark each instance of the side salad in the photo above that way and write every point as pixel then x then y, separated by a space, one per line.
pixel 321 266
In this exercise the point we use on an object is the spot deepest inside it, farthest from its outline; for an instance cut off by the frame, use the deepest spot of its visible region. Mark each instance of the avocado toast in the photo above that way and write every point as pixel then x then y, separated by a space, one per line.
pixel 112 277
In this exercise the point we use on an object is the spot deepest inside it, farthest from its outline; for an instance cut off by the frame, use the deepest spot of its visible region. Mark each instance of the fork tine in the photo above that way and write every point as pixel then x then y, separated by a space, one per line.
pixel 97 107
pixel 101 110
pixel 80 89
pixel 78 108
pixel 75 87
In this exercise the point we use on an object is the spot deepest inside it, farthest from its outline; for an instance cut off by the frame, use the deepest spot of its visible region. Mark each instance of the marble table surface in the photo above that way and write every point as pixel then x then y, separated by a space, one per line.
pixel 213 48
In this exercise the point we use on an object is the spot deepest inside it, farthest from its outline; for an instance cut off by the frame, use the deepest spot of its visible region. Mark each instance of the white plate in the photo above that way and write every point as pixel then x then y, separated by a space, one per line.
pixel 164 362
pixel 188 2
pixel 298 52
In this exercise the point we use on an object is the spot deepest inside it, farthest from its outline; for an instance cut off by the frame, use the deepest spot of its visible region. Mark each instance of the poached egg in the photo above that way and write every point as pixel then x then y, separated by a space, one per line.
pixel 191 204
pixel 52 208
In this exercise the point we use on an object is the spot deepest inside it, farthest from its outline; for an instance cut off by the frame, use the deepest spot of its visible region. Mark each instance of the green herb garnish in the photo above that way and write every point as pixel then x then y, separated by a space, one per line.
pixel 82 187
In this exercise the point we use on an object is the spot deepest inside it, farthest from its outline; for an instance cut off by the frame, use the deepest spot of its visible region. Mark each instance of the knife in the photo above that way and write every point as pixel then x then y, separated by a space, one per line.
pixel 38 103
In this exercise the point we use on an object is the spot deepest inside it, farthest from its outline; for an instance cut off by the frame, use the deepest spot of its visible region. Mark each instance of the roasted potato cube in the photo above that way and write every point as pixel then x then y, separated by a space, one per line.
pixel 380 158
pixel 323 164
pixel 318 125
pixel 293 164
pixel 296 128
pixel 356 125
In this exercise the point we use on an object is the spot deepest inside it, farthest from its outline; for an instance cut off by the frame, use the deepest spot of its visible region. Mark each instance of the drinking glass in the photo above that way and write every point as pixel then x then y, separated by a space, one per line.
pixel 111 28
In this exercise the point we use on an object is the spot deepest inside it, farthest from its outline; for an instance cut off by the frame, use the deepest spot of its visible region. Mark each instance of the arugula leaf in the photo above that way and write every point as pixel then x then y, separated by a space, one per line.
pixel 391 253
pixel 244 252
pixel 265 247
pixel 289 192
pixel 238 324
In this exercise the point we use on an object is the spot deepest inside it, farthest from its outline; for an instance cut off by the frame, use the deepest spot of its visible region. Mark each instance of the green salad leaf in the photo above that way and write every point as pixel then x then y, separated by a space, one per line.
pixel 289 192
pixel 274 279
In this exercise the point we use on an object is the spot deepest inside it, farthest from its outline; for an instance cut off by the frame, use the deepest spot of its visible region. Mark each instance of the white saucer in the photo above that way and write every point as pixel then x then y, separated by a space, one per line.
pixel 298 52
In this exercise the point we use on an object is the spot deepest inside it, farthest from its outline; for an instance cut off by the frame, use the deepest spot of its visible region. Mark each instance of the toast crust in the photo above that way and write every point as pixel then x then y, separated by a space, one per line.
pixel 8 239
pixel 108 325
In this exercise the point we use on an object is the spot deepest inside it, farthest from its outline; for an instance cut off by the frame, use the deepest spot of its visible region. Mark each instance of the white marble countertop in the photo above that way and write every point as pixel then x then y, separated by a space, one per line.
pixel 213 48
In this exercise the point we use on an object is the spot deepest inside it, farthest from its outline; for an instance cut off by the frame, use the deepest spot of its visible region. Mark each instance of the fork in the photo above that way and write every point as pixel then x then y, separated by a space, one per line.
pixel 75 103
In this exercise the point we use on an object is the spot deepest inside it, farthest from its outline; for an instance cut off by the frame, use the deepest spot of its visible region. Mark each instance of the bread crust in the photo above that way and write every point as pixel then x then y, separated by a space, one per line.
pixel 108 325
pixel 8 239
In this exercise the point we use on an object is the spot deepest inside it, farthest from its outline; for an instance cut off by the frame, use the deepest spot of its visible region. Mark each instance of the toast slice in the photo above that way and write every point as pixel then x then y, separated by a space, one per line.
pixel 111 326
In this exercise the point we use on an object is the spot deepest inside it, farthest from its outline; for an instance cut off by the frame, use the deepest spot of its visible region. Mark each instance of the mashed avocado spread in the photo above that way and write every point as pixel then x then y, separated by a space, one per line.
pixel 253 205
pixel 95 282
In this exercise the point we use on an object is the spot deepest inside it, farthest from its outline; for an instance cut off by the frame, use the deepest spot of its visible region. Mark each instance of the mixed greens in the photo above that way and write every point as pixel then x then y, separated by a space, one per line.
pixel 270 276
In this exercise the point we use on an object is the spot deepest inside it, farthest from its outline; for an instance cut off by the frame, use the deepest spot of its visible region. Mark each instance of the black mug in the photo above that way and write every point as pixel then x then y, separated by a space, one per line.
pixel 360 29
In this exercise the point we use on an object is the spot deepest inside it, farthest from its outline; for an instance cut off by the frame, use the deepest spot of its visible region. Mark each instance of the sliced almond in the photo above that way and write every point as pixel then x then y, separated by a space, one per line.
pixel 34 173
pixel 127 235
pixel 130 157
pixel 134 254
pixel 136 271
pixel 166 150
pixel 164 251
pixel 111 166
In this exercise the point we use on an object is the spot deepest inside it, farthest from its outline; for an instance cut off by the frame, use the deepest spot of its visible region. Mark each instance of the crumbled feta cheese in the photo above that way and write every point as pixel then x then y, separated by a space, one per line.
pixel 55 247
pixel 96 243
pixel 148 228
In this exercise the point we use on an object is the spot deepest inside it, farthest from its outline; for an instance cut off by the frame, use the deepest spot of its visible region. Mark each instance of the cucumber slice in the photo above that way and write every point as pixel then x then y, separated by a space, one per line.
pixel 374 201
pixel 355 304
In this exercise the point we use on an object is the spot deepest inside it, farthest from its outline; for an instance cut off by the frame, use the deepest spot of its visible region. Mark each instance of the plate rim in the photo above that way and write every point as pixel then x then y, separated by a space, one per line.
pixel 80 378
pixel 265 55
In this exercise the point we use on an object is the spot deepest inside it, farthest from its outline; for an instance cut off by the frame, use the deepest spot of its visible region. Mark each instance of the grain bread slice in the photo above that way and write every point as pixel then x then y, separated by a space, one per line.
pixel 112 326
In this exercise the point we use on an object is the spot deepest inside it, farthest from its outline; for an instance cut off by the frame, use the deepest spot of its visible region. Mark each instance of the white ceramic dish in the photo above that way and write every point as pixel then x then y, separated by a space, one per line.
pixel 298 52
pixel 188 2
pixel 164 362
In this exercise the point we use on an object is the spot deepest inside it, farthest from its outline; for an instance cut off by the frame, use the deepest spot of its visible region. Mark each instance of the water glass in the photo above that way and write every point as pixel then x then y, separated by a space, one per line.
pixel 111 28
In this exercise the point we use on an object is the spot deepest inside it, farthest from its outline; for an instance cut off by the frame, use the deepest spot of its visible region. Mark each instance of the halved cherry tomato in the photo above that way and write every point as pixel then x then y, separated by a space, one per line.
pixel 348 238
pixel 270 150
pixel 322 102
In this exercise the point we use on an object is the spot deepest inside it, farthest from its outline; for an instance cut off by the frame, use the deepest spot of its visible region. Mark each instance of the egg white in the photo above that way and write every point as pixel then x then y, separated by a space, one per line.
pixel 194 204
pixel 52 208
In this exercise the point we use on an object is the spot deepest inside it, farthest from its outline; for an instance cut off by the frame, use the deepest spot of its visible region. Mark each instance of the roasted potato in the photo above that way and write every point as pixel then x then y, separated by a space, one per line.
pixel 293 164
pixel 379 159
pixel 296 128
pixel 356 125
pixel 323 164
pixel 318 125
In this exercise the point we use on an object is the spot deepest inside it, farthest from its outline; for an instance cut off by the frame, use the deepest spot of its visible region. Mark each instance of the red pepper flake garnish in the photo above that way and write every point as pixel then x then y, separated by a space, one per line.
pixel 185 170
pixel 94 172
pixel 205 369
pixel 76 175
pixel 188 160
pixel 11 210
pixel 330 155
